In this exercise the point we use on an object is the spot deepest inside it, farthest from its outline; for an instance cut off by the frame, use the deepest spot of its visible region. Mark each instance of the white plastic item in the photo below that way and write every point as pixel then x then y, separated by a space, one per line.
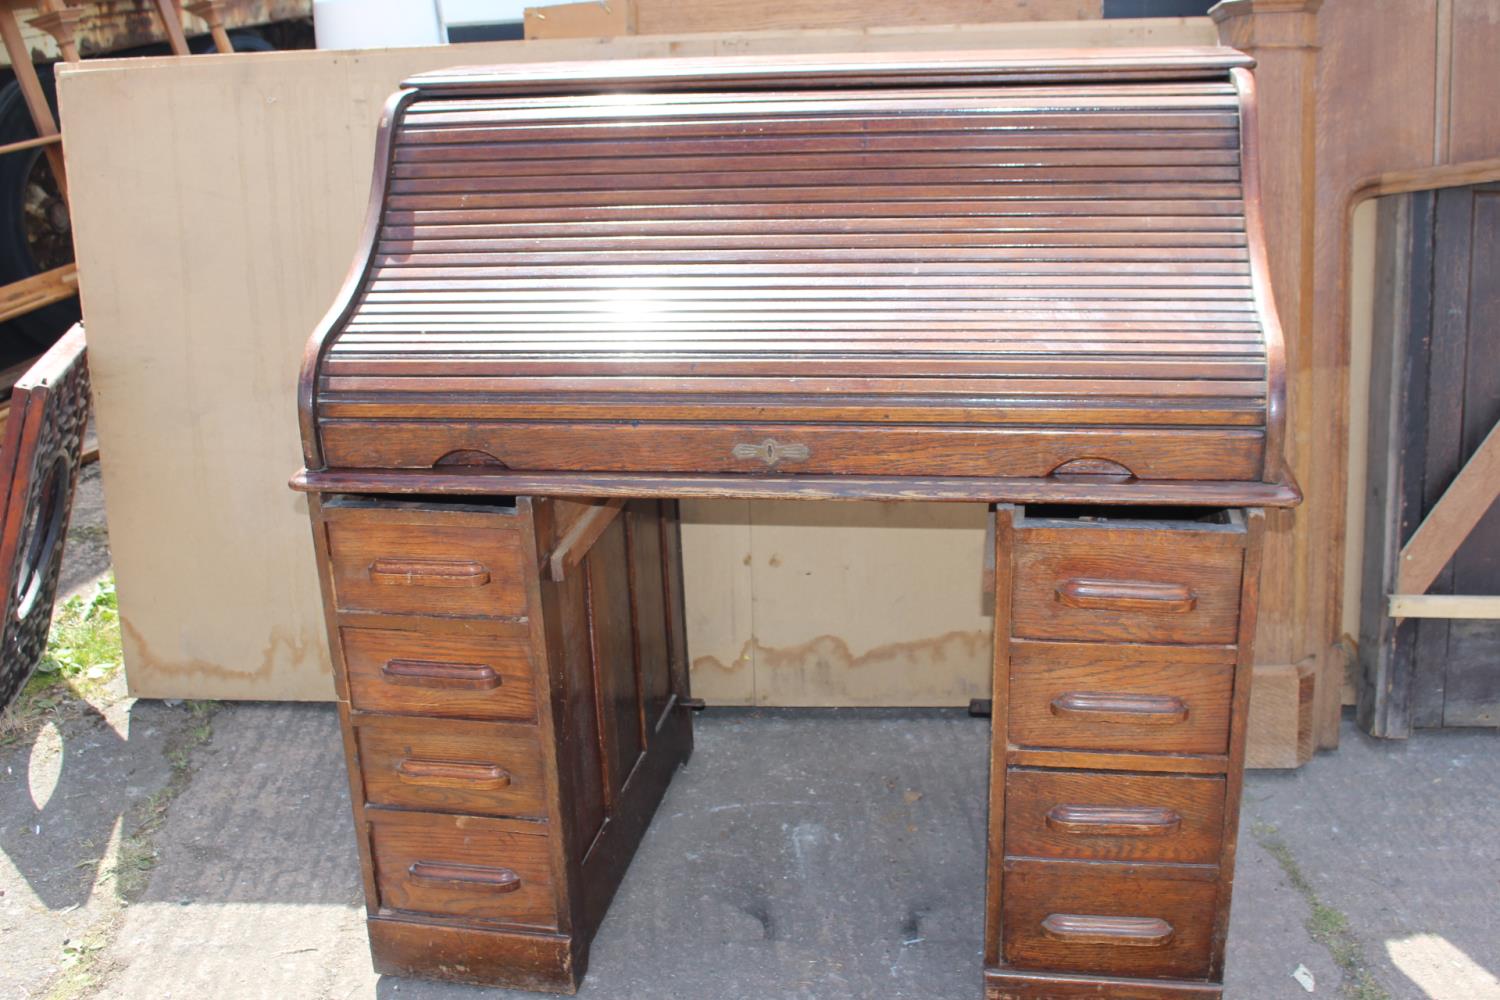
pixel 376 24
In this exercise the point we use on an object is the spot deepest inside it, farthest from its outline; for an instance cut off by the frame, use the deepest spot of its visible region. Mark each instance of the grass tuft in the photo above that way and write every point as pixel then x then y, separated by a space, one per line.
pixel 82 658
pixel 1327 926
pixel 137 856
pixel 84 644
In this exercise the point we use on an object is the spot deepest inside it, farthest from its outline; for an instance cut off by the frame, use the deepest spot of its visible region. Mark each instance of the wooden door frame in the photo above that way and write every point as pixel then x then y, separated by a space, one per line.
pixel 1449 522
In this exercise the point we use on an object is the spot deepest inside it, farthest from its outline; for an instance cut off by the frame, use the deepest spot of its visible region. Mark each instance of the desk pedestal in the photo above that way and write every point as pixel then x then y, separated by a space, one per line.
pixel 512 675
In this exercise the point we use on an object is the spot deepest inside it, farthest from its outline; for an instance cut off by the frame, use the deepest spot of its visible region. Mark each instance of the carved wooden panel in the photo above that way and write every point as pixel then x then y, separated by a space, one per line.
pixel 40 458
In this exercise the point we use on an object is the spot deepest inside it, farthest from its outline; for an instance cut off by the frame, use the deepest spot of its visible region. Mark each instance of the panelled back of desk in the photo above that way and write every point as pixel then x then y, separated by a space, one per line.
pixel 1026 274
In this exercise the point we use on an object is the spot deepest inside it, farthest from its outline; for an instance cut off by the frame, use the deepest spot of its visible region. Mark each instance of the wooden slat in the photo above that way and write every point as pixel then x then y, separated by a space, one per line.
pixel 16 147
pixel 1447 524
pixel 29 294
pixel 1444 606
pixel 581 535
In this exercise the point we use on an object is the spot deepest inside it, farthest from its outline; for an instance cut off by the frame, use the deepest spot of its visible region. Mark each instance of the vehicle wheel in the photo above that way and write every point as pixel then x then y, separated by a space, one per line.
pixel 36 233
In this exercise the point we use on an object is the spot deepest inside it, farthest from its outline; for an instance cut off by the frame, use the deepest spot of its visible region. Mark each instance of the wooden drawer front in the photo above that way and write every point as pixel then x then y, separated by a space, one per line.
pixel 1074 916
pixel 854 449
pixel 1113 817
pixel 1088 581
pixel 427 569
pixel 439 673
pixel 492 768
pixel 464 866
pixel 1097 696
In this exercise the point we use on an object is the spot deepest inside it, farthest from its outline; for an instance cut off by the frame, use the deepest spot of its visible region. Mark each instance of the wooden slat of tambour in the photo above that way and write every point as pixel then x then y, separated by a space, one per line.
pixel 1012 386
pixel 1000 210
pixel 1167 188
pixel 729 323
pixel 1241 365
pixel 708 90
pixel 939 273
pixel 980 330
pixel 668 306
pixel 668 298
pixel 975 255
pixel 616 160
pixel 627 102
pixel 1083 411
pixel 1014 413
pixel 665 300
pixel 1093 412
pixel 783 241
pixel 795 339
pixel 439 237
pixel 819 125
pixel 1186 141
pixel 424 116
pixel 913 116
pixel 981 232
pixel 459 289
pixel 769 175
pixel 456 301
pixel 1010 327
pixel 981 333
pixel 498 361
pixel 985 99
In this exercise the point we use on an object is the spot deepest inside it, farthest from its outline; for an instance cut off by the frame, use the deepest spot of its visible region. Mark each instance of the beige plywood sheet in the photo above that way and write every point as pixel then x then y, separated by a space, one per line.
pixel 217 203
pixel 807 604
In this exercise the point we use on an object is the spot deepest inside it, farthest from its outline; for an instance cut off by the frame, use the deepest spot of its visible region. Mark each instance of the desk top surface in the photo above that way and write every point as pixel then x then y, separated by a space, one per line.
pixel 1042 267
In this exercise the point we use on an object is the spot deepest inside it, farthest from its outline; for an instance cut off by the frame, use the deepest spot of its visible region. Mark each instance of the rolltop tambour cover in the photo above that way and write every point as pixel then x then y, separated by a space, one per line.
pixel 957 276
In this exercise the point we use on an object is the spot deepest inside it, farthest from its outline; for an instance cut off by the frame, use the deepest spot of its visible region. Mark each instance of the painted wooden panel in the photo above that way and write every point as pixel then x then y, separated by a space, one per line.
pixel 822 604
pixel 248 177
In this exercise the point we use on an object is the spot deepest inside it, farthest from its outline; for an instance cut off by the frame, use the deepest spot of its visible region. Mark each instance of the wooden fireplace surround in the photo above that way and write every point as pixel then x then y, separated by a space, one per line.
pixel 1034 280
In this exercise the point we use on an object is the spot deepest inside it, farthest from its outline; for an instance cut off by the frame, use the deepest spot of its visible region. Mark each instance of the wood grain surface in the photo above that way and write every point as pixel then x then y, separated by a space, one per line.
pixel 1086 815
pixel 430 863
pixel 754 263
pixel 1181 897
pixel 483 768
pixel 1043 672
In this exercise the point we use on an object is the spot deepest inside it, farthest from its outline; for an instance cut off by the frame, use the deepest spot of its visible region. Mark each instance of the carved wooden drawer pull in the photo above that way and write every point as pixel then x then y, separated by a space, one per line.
pixel 455 876
pixel 429 573
pixel 1130 932
pixel 453 773
pixel 1121 709
pixel 1113 821
pixel 1127 595
pixel 434 674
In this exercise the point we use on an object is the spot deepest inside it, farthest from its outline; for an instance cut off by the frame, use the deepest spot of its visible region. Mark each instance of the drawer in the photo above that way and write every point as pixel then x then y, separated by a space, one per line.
pixel 879 449
pixel 405 563
pixel 1113 817
pixel 1100 696
pixel 492 768
pixel 444 673
pixel 463 866
pixel 1135 581
pixel 1110 919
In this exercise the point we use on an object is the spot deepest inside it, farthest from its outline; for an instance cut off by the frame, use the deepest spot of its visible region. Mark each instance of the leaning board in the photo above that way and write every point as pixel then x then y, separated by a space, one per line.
pixel 247 179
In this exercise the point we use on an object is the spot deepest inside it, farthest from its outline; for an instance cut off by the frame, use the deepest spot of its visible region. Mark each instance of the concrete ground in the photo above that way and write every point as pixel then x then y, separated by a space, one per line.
pixel 158 850
pixel 821 855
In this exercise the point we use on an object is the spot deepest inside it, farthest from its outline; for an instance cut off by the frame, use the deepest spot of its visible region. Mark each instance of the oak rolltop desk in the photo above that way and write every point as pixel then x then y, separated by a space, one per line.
pixel 1029 279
